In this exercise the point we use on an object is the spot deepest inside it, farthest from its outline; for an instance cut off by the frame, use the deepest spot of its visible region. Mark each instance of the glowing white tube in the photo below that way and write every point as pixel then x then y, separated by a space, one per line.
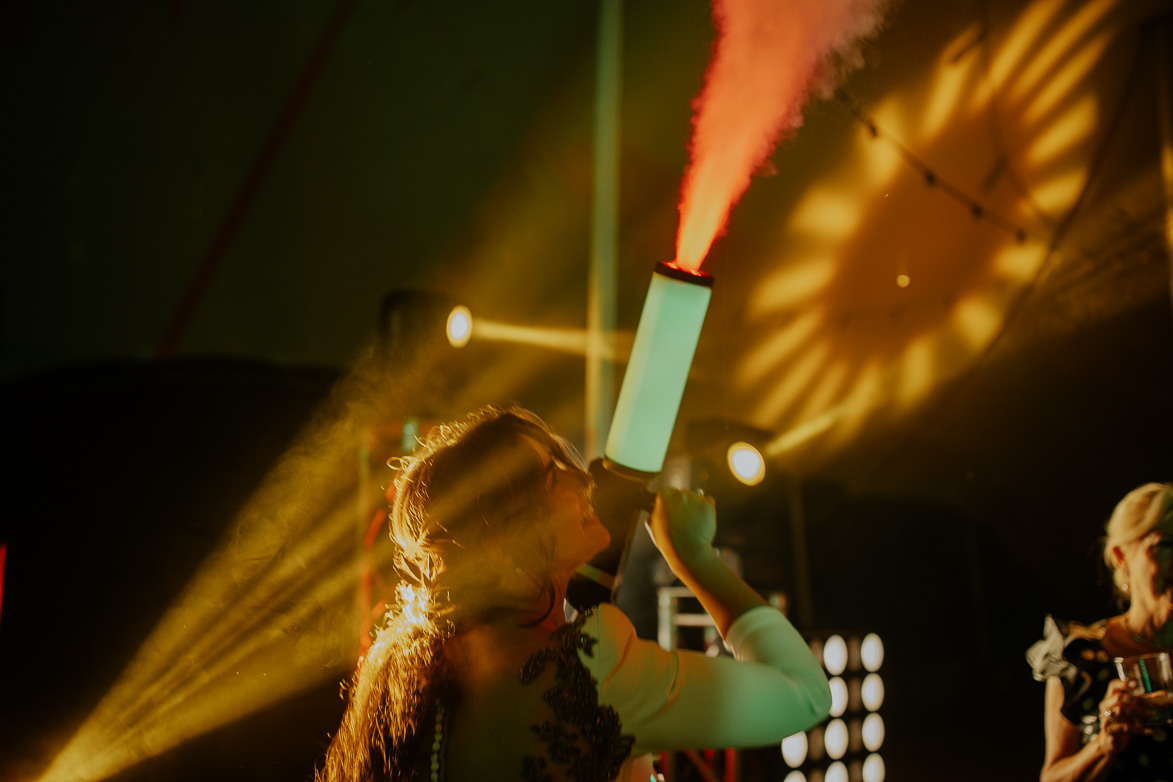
pixel 661 356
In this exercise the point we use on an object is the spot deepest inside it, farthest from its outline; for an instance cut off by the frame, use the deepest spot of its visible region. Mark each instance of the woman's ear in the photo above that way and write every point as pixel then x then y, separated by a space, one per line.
pixel 1117 554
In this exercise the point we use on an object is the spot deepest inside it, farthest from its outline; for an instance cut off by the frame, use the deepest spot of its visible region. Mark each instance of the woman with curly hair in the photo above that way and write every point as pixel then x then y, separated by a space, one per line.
pixel 477 674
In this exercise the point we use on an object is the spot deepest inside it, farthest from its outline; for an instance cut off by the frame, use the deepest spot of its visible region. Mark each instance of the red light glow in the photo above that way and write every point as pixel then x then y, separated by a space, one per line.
pixel 768 58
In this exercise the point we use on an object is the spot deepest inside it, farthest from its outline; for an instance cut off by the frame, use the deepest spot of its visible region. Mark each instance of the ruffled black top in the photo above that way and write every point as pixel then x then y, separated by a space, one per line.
pixel 1075 654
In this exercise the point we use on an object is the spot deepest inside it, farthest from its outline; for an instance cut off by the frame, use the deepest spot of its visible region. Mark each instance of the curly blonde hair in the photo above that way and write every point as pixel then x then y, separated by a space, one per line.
pixel 468 504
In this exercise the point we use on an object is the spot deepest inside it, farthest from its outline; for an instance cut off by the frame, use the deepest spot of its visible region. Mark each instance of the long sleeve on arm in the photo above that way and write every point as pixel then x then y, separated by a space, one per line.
pixel 681 699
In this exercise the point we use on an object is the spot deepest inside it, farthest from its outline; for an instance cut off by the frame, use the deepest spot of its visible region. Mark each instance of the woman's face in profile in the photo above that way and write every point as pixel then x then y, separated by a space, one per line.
pixel 578 533
pixel 1150 563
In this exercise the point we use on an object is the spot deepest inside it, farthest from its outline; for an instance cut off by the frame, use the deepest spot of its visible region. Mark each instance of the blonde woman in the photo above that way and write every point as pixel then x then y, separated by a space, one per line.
pixel 1095 728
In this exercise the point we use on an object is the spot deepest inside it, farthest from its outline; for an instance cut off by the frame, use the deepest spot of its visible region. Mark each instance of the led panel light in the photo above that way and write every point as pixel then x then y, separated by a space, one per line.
pixel 835 739
pixel 838 696
pixel 872 692
pixel 873 732
pixel 873 769
pixel 835 655
pixel 871 651
pixel 794 750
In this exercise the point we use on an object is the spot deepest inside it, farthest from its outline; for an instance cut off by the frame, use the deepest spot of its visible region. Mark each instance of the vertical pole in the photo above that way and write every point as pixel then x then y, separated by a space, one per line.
pixel 362 557
pixel 601 295
pixel 804 611
pixel 1165 112
pixel 3 553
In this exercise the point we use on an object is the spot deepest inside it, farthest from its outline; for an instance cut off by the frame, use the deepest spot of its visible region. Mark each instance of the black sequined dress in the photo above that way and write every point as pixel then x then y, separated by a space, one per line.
pixel 1074 653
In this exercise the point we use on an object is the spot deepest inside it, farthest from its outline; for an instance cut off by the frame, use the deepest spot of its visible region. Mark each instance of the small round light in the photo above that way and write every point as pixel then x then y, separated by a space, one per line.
pixel 835 655
pixel 459 326
pixel 871 652
pixel 836 772
pixel 873 769
pixel 903 280
pixel 838 697
pixel 872 692
pixel 795 776
pixel 835 739
pixel 873 732
pixel 746 463
pixel 794 749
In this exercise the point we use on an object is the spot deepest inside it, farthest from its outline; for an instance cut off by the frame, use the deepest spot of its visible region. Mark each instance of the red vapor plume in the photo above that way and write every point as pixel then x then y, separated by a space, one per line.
pixel 769 55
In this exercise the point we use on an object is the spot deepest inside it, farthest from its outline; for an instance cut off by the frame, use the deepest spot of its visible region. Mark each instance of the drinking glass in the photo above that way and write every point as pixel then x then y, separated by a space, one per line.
pixel 1152 673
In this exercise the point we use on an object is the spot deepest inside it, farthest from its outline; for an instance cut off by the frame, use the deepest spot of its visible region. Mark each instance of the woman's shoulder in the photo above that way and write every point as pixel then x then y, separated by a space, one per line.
pixel 1066 646
pixel 609 631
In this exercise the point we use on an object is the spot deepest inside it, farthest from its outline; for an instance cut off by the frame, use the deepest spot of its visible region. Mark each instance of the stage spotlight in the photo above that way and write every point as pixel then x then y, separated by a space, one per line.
pixel 872 692
pixel 794 750
pixel 746 463
pixel 838 697
pixel 873 732
pixel 835 655
pixel 871 651
pixel 459 327
pixel 836 772
pixel 873 769
pixel 835 739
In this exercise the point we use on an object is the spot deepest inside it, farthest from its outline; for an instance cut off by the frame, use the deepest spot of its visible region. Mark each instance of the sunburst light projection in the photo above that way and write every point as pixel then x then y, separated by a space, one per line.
pixel 270 613
pixel 889 283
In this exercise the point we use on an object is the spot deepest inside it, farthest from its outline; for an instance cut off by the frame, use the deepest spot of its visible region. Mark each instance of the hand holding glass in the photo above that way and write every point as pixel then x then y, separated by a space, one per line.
pixel 1152 675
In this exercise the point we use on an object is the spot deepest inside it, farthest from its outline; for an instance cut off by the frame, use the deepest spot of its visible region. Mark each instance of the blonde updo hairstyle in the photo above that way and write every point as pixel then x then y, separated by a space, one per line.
pixel 1135 516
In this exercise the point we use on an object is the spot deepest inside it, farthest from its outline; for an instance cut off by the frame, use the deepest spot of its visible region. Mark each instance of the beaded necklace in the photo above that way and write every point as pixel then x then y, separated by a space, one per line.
pixel 1147 643
pixel 438 742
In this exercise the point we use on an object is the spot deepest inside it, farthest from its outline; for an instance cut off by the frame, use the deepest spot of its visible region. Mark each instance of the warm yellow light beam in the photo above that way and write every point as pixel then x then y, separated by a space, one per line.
pixel 270 612
pixel 1076 67
pixel 263 651
pixel 798 377
pixel 775 347
pixel 1043 61
pixel 795 437
pixel 1068 130
pixel 1165 113
pixel 792 286
pixel 976 319
pixel 824 212
pixel 573 341
pixel 1022 39
pixel 916 376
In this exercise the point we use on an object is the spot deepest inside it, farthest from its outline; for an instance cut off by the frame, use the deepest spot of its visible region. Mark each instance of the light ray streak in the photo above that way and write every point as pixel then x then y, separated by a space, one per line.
pixel 771 350
pixel 265 638
pixel 792 438
pixel 1058 47
pixel 573 341
pixel 269 613
pixel 797 378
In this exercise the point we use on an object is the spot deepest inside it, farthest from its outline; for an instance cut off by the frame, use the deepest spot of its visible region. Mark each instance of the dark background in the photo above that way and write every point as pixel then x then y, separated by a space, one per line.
pixel 448 148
